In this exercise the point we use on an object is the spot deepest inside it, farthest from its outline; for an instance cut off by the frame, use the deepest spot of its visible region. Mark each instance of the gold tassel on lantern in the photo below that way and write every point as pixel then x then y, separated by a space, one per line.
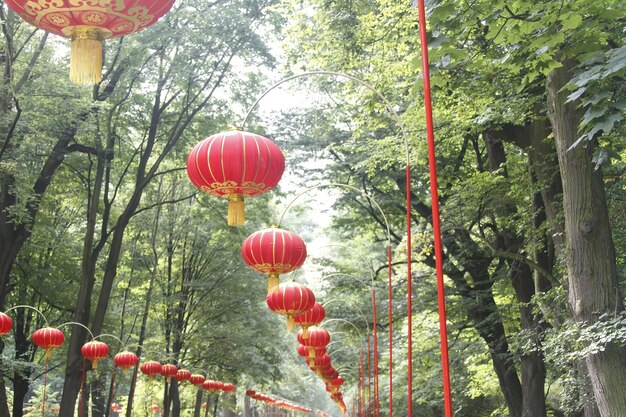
pixel 86 58
pixel 273 280
pixel 94 364
pixel 235 210
pixel 291 323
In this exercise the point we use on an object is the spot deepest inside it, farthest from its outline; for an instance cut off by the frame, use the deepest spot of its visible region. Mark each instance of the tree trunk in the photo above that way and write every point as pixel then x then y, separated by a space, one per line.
pixel 82 309
pixel 593 288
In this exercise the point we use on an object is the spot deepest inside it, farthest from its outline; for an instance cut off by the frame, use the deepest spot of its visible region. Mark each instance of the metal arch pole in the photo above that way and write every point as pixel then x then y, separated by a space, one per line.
pixel 432 162
pixel 408 223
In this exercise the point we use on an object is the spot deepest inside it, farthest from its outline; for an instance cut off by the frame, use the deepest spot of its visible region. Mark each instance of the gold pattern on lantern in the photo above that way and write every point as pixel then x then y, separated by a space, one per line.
pixel 94 18
pixel 58 19
pixel 267 268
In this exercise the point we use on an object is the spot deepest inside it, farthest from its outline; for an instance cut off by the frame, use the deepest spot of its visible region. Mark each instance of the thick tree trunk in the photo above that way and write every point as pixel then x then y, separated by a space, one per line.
pixel 593 288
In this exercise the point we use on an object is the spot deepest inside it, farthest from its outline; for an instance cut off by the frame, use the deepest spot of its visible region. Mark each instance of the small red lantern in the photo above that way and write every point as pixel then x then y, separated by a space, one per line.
pixel 318 338
pixel 125 360
pixel 168 371
pixel 197 379
pixel 250 392
pixel 209 385
pixel 150 368
pixel 235 165
pixel 88 24
pixel 290 299
pixel 182 375
pixel 94 351
pixel 48 339
pixel 303 350
pixel 115 406
pixel 313 317
pixel 6 324
pixel 228 387
pixel 273 251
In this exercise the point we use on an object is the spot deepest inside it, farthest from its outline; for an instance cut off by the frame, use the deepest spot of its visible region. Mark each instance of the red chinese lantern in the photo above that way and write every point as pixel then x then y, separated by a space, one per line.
pixel 273 251
pixel 337 381
pixel 318 361
pixel 209 385
pixel 168 371
pixel 303 350
pixel 94 351
pixel 125 360
pixel 290 299
pixel 182 375
pixel 6 324
pixel 88 24
pixel 48 339
pixel 318 338
pixel 235 165
pixel 250 392
pixel 115 406
pixel 313 317
pixel 197 379
pixel 228 387
pixel 150 368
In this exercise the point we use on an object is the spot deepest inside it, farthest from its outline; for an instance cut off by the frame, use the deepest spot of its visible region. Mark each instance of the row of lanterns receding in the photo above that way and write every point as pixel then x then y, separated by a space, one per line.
pixel 50 338
pixel 275 402
pixel 236 165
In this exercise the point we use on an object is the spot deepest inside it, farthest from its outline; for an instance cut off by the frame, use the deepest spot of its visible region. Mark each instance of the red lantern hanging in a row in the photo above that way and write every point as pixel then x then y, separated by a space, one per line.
pixel 6 324
pixel 290 299
pixel 168 371
pixel 197 380
pixel 94 351
pixel 235 165
pixel 88 24
pixel 150 368
pixel 182 375
pixel 313 317
pixel 48 339
pixel 125 360
pixel 318 338
pixel 274 252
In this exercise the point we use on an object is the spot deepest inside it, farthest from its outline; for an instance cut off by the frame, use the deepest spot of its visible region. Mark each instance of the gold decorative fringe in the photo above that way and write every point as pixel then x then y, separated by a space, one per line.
pixel 235 210
pixel 86 58
pixel 291 323
pixel 305 332
pixel 94 364
pixel 273 280
pixel 311 353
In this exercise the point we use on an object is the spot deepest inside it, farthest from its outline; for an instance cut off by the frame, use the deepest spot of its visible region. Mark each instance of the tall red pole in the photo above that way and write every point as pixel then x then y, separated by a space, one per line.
pixel 376 405
pixel 369 376
pixel 390 313
pixel 432 162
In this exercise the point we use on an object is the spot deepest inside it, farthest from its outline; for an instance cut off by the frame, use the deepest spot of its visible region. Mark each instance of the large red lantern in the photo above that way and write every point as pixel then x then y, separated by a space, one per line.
pixel 235 165
pixel 88 23
pixel 150 368
pixel 125 360
pixel 48 339
pixel 273 251
pixel 94 351
pixel 313 317
pixel 168 371
pixel 290 299
pixel 6 324
pixel 318 338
